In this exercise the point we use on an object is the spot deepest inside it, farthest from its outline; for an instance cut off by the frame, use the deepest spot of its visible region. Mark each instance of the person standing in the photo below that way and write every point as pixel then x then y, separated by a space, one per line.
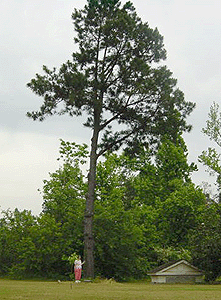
pixel 77 269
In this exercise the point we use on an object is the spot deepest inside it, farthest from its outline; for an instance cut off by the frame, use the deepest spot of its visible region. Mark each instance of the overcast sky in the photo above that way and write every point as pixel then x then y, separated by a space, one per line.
pixel 36 32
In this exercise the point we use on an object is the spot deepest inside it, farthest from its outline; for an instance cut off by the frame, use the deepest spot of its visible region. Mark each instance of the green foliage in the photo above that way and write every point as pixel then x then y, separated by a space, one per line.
pixel 159 223
pixel 178 214
pixel 71 258
pixel 213 124
pixel 168 254
pixel 137 224
pixel 30 246
pixel 211 158
pixel 206 242
pixel 140 179
pixel 64 195
pixel 15 229
pixel 32 249
pixel 124 233
pixel 72 153
pixel 33 246
pixel 171 161
pixel 113 72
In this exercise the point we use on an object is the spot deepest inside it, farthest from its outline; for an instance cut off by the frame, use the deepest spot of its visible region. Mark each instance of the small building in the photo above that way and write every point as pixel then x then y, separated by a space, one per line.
pixel 179 271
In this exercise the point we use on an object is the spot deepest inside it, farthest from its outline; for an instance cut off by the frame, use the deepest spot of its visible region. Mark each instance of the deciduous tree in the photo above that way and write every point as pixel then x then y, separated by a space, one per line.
pixel 211 158
pixel 206 242
pixel 64 195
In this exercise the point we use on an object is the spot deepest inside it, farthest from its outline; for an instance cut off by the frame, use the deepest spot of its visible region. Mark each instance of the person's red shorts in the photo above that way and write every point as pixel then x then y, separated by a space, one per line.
pixel 77 273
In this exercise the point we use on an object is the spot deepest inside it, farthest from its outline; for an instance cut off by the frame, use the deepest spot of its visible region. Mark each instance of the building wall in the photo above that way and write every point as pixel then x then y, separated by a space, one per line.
pixel 181 269
pixel 180 279
pixel 176 279
pixel 158 279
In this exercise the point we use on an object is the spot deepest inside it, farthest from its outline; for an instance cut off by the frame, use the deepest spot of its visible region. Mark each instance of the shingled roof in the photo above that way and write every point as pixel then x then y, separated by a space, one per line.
pixel 170 264
pixel 164 266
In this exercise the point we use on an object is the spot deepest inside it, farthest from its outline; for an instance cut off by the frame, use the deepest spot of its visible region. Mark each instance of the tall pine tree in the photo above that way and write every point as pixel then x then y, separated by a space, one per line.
pixel 114 78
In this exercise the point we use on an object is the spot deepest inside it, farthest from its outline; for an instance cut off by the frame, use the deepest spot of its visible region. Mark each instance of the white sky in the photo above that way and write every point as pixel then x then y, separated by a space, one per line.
pixel 40 32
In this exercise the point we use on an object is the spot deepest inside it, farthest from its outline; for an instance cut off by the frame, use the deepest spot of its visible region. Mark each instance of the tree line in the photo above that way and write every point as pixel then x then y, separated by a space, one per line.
pixel 147 212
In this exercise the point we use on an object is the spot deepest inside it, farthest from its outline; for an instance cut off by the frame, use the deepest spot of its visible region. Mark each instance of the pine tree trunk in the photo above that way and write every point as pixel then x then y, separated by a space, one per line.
pixel 89 211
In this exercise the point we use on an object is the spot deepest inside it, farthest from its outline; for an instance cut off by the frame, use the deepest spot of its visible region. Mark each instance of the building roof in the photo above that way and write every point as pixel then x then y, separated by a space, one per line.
pixel 165 267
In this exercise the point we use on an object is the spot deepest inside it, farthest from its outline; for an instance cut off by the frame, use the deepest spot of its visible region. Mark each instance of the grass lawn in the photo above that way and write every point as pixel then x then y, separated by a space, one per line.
pixel 36 290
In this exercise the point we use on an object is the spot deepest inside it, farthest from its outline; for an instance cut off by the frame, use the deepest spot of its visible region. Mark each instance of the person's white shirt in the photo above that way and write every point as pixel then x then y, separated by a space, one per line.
pixel 78 264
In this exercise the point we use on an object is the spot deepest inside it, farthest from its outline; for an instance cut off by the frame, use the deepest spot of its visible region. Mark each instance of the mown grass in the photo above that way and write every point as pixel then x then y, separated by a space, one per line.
pixel 36 290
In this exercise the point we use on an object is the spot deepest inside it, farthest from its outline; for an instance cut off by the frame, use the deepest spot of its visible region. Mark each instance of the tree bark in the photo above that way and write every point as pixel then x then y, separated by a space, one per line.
pixel 89 210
